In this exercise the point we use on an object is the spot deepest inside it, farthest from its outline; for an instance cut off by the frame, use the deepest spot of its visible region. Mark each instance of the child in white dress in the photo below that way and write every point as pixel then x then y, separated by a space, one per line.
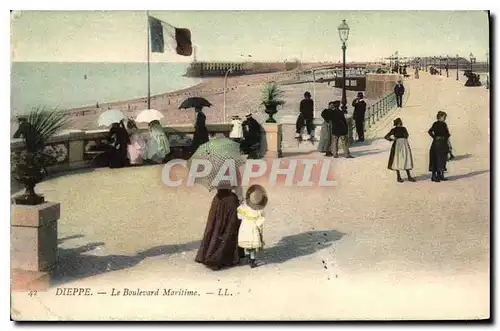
pixel 251 214
pixel 236 133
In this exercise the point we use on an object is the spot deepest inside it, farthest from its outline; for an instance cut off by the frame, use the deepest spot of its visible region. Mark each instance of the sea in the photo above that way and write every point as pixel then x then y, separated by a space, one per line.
pixel 63 85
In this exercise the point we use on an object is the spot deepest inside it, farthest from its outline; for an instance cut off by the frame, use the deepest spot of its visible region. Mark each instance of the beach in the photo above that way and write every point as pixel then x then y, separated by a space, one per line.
pixel 243 96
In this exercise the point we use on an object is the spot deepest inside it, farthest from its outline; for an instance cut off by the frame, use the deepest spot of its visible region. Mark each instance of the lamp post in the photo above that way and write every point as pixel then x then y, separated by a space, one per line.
pixel 440 59
pixel 225 88
pixel 344 35
pixel 314 94
pixel 457 66
pixel 447 71
pixel 472 59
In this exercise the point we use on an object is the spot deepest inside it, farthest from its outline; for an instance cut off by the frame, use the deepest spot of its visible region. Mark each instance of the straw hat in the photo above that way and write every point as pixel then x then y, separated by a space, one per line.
pixel 256 197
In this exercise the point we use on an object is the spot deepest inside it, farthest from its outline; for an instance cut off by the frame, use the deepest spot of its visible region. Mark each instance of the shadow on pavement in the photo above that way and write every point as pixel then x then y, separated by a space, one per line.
pixel 470 174
pixel 301 244
pixel 364 153
pixel 75 236
pixel 74 263
pixel 460 157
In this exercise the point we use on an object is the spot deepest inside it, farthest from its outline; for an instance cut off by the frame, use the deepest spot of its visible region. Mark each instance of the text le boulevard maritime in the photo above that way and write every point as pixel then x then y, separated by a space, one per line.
pixel 140 292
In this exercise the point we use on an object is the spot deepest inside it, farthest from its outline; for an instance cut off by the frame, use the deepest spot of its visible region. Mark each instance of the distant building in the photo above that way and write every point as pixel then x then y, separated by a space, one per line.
pixel 207 69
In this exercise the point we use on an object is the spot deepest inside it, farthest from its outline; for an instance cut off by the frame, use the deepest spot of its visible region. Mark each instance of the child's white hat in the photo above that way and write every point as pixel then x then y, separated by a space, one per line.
pixel 256 197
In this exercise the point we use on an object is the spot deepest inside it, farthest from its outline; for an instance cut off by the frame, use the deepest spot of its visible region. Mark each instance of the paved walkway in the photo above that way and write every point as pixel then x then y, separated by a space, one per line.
pixel 368 248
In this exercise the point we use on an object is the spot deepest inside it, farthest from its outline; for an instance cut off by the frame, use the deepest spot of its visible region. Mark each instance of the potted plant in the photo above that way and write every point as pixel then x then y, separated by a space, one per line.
pixel 272 97
pixel 34 220
pixel 28 167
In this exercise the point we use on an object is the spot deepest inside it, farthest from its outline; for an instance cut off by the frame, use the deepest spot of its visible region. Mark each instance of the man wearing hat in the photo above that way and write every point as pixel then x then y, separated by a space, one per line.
pixel 251 214
pixel 251 133
pixel 306 116
pixel 339 130
pixel 359 115
pixel 399 91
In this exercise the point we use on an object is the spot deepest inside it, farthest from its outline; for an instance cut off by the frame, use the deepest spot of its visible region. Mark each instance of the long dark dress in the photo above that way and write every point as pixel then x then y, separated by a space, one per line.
pixel 438 152
pixel 119 140
pixel 219 246
pixel 200 131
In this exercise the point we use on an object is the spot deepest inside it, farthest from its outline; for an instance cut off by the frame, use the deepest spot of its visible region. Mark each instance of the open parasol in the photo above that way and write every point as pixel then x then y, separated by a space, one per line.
pixel 195 102
pixel 110 116
pixel 149 115
pixel 217 151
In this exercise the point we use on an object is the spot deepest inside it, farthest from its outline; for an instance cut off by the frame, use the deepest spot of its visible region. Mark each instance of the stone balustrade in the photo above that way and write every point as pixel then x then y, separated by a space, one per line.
pixel 73 149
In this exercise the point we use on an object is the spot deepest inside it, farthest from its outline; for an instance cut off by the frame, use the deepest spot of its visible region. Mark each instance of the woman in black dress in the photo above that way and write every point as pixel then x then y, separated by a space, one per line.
pixel 200 130
pixel 401 157
pixel 438 153
pixel 119 139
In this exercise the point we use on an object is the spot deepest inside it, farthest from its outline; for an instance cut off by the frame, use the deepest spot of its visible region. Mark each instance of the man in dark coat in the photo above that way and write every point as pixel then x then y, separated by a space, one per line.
pixel 251 133
pixel 219 246
pixel 306 116
pixel 339 130
pixel 200 130
pixel 399 91
pixel 359 115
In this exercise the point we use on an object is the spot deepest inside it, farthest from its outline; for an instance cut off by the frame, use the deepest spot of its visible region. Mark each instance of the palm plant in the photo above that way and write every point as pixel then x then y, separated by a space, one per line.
pixel 28 167
pixel 272 96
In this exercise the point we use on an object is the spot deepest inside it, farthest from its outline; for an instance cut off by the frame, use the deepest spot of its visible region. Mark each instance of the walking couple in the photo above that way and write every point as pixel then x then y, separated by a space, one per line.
pixel 333 130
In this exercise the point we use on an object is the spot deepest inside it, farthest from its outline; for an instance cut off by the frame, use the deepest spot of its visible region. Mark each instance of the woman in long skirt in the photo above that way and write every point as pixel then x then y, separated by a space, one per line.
pixel 325 140
pixel 136 150
pixel 158 146
pixel 219 246
pixel 438 153
pixel 401 157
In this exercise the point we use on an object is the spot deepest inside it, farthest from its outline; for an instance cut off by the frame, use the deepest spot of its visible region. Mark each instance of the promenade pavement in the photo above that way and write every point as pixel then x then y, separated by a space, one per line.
pixel 369 248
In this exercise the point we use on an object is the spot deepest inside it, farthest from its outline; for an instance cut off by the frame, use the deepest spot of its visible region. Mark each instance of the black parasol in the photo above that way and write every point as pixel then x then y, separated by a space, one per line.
pixel 195 102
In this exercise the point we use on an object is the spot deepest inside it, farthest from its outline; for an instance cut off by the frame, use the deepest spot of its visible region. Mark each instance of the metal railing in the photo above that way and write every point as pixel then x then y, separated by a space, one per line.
pixel 378 110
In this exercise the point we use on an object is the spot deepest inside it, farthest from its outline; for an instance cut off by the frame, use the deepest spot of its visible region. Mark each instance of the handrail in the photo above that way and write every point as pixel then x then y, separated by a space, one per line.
pixel 378 110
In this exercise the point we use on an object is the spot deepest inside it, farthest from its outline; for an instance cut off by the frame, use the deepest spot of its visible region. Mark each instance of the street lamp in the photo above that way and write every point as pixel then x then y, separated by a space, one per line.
pixel 447 71
pixel 457 66
pixel 440 59
pixel 472 59
pixel 344 35
pixel 225 88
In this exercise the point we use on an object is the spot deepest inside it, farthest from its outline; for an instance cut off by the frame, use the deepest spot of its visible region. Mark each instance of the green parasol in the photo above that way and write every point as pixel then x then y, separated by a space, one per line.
pixel 217 151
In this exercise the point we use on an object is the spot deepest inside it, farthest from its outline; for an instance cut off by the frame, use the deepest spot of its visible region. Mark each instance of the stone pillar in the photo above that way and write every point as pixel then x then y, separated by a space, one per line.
pixel 273 135
pixel 33 244
pixel 76 149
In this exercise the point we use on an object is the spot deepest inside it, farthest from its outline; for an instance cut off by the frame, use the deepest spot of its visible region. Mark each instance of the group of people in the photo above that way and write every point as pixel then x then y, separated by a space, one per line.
pixel 234 229
pixel 401 158
pixel 247 133
pixel 130 147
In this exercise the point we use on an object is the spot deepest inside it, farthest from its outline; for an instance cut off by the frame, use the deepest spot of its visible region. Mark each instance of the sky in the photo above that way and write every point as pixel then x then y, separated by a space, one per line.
pixel 309 36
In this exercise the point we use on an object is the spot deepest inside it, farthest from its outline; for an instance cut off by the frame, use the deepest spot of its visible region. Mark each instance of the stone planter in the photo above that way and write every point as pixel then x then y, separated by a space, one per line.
pixel 271 110
pixel 33 240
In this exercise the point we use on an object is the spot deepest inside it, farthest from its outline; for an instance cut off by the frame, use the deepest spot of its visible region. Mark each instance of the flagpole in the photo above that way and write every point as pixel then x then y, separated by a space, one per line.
pixel 149 70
